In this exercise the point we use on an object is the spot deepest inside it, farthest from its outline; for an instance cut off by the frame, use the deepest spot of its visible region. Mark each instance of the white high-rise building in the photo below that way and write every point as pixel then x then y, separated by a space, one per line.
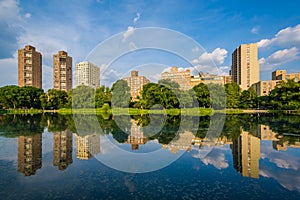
pixel 87 74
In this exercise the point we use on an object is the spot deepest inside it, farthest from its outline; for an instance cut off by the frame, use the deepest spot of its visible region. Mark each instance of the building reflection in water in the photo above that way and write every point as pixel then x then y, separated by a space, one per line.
pixel 246 154
pixel 246 149
pixel 87 146
pixel 136 136
pixel 29 154
pixel 62 149
pixel 183 141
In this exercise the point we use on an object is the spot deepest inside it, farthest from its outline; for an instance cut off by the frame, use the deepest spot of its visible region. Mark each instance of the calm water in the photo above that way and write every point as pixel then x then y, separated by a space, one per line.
pixel 61 157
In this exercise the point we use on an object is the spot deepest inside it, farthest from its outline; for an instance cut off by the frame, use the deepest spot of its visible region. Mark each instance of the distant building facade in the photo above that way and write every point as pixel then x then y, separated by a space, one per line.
pixel 245 66
pixel 29 67
pixel 29 154
pixel 136 136
pixel 62 149
pixel 87 74
pixel 246 154
pixel 183 78
pixel 186 81
pixel 62 71
pixel 209 79
pixel 283 76
pixel 87 146
pixel 263 88
pixel 136 83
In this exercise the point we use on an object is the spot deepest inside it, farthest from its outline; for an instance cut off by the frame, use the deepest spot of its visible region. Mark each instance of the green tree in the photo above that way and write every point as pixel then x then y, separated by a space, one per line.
pixel 202 95
pixel 286 96
pixel 120 94
pixel 102 96
pixel 56 99
pixel 248 99
pixel 217 95
pixel 82 97
pixel 233 92
pixel 20 97
pixel 163 95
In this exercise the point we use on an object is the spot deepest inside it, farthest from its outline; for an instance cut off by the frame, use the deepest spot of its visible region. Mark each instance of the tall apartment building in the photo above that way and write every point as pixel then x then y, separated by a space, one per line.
pixel 87 74
pixel 246 154
pixel 62 71
pixel 245 65
pixel 136 83
pixel 183 78
pixel 29 67
pixel 87 146
pixel 29 154
pixel 62 149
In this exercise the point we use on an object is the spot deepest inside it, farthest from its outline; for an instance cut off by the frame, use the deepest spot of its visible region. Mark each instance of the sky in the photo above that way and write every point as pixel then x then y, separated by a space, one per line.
pixel 217 27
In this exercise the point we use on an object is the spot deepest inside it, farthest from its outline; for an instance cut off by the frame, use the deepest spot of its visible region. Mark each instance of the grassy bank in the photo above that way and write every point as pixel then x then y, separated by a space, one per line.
pixel 23 111
pixel 136 111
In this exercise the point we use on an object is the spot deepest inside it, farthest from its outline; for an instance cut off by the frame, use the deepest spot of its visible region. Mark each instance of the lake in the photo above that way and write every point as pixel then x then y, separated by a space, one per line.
pixel 242 156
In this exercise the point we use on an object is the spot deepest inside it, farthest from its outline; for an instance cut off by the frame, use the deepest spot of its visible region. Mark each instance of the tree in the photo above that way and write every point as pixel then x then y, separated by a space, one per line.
pixel 248 99
pixel 202 95
pixel 163 95
pixel 83 97
pixel 20 97
pixel 102 96
pixel 56 99
pixel 233 92
pixel 286 96
pixel 217 95
pixel 120 94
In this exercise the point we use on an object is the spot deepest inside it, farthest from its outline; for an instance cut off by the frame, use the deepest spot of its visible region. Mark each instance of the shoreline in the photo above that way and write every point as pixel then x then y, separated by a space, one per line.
pixel 135 111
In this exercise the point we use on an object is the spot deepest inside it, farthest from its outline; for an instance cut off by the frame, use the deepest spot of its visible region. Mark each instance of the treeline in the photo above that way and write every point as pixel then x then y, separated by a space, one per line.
pixel 164 94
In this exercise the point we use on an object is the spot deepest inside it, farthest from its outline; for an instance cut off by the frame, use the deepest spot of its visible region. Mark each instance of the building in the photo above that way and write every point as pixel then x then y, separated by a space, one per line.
pixel 186 81
pixel 29 154
pixel 29 67
pixel 182 141
pixel 209 79
pixel 245 65
pixel 136 83
pixel 183 78
pixel 62 149
pixel 87 146
pixel 263 88
pixel 265 133
pixel 87 74
pixel 283 76
pixel 136 136
pixel 62 71
pixel 246 154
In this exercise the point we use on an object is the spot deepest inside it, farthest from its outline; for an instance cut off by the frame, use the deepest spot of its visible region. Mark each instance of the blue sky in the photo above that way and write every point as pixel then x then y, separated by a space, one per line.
pixel 218 26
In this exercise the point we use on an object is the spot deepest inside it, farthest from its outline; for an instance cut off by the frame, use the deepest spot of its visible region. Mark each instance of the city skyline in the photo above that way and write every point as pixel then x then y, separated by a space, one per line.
pixel 26 23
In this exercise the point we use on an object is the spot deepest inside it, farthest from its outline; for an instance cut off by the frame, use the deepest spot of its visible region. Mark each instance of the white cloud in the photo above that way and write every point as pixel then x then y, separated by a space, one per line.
pixel 195 49
pixel 27 15
pixel 216 158
pixel 285 37
pixel 255 30
pixel 129 32
pixel 218 56
pixel 9 11
pixel 278 58
pixel 136 19
pixel 9 71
